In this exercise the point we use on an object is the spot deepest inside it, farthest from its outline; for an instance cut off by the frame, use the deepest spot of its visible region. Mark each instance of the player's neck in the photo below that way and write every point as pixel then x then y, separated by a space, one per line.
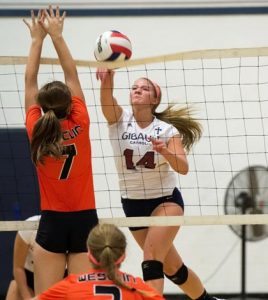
pixel 143 118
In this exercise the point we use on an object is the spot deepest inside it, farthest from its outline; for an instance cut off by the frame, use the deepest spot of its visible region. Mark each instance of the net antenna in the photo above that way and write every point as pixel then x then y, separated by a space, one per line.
pixel 229 91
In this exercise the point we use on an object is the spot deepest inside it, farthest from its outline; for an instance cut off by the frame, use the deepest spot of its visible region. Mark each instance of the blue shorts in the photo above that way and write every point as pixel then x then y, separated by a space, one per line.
pixel 65 232
pixel 144 208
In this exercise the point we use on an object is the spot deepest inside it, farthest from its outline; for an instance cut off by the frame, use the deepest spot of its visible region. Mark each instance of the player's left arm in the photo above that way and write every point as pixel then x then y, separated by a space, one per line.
pixel 173 152
pixel 37 34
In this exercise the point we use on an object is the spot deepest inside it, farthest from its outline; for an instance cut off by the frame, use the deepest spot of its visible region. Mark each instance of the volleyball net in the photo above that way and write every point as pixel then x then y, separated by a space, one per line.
pixel 227 181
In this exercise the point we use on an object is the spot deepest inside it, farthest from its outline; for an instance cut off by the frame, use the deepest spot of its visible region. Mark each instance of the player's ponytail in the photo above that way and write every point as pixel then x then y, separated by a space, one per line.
pixel 46 138
pixel 181 118
pixel 55 100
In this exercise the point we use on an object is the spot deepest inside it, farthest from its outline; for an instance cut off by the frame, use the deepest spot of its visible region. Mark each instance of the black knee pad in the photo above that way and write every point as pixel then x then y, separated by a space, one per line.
pixel 152 269
pixel 180 277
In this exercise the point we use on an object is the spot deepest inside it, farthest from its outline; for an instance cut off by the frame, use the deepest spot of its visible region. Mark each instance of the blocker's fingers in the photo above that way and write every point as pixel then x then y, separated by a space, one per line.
pixel 33 16
pixel 51 11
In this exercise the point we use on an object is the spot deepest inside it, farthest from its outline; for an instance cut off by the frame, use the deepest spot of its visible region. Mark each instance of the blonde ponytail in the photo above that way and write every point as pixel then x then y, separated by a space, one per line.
pixel 181 118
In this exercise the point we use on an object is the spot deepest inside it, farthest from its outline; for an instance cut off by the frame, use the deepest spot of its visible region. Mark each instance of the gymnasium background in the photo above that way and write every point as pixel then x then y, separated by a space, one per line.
pixel 154 29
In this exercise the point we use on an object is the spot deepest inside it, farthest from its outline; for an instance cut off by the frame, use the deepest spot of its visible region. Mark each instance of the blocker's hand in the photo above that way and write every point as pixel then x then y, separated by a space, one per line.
pixel 36 30
pixel 53 22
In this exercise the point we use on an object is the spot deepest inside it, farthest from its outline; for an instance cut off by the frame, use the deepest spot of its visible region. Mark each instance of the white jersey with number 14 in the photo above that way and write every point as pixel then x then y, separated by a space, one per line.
pixel 143 173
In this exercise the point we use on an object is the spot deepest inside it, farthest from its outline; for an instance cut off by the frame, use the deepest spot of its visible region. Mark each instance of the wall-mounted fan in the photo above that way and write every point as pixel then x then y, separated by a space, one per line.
pixel 247 193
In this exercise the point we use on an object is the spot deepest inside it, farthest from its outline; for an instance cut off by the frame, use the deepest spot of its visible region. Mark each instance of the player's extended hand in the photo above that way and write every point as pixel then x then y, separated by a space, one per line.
pixel 158 145
pixel 54 22
pixel 36 30
pixel 104 74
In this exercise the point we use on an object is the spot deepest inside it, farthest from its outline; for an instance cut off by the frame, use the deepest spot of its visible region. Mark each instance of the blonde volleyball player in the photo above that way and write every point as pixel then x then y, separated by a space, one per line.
pixel 149 152
pixel 106 251
pixel 57 124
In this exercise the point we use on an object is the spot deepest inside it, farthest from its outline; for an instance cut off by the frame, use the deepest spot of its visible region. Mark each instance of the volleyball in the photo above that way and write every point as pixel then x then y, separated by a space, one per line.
pixel 112 45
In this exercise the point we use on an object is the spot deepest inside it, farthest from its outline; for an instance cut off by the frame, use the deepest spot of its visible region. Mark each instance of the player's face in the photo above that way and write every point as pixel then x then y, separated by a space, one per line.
pixel 143 93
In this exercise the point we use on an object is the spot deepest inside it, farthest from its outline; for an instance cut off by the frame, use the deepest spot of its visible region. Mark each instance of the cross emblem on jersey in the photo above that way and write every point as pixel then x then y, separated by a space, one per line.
pixel 158 129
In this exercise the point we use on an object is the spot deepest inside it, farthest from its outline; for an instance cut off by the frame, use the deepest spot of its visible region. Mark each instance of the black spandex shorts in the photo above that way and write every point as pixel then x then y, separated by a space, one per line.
pixel 144 208
pixel 62 232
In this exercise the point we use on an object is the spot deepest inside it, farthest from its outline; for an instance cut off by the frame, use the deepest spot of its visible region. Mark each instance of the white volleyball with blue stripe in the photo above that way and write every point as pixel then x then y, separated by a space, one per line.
pixel 112 45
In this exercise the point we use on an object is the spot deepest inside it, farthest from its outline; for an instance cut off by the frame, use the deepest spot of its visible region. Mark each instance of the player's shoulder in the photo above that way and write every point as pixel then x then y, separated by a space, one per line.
pixel 33 112
pixel 78 104
pixel 165 127
pixel 127 114
pixel 77 99
pixel 71 278
pixel 130 279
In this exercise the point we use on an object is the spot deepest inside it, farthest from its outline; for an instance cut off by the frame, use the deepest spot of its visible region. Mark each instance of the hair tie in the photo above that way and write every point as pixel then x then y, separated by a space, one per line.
pixel 49 110
pixel 97 263
pixel 120 259
pixel 93 259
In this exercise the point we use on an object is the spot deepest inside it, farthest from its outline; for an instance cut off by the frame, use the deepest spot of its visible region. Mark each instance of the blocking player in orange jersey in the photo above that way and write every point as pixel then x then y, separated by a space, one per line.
pixel 57 124
pixel 106 251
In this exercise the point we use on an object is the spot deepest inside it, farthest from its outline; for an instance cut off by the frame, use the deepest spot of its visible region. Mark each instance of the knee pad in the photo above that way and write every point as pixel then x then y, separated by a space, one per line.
pixel 180 277
pixel 152 269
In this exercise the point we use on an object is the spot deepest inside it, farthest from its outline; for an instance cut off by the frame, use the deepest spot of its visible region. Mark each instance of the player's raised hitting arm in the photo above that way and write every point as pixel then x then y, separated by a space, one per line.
pixel 32 67
pixel 110 108
pixel 54 27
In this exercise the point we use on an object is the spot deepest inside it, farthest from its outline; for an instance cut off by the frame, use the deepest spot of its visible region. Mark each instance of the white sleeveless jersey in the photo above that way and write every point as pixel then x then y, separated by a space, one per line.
pixel 28 237
pixel 143 173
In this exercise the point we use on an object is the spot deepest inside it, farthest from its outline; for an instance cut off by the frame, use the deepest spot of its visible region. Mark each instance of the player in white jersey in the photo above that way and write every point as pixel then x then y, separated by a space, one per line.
pixel 22 286
pixel 143 173
pixel 150 149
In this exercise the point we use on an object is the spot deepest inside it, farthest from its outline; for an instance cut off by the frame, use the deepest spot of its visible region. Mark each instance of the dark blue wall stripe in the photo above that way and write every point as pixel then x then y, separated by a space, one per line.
pixel 19 192
pixel 148 11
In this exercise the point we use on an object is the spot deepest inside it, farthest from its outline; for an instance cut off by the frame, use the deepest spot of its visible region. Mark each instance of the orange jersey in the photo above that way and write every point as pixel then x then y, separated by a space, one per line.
pixel 96 285
pixel 67 184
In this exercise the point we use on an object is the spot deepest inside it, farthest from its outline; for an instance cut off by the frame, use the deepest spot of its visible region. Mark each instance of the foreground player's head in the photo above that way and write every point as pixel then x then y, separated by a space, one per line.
pixel 106 246
pixel 106 250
